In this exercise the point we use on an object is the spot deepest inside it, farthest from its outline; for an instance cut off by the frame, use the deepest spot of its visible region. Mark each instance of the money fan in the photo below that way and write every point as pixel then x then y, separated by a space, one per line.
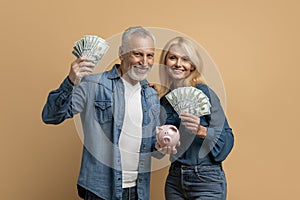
pixel 189 100
pixel 90 46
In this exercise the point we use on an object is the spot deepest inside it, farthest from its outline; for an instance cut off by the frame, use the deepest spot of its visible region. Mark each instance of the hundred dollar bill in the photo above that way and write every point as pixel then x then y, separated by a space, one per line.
pixel 92 47
pixel 190 100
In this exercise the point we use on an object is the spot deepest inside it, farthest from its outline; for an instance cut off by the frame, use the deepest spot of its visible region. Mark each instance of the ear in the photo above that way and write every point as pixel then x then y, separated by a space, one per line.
pixel 121 53
pixel 192 69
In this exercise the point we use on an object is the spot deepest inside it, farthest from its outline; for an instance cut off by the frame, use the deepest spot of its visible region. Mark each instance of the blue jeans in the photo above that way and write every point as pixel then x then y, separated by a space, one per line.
pixel 195 182
pixel 127 194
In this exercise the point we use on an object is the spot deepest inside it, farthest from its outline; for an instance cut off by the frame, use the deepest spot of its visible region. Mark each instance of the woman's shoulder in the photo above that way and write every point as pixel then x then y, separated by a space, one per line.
pixel 204 88
pixel 208 91
pixel 201 86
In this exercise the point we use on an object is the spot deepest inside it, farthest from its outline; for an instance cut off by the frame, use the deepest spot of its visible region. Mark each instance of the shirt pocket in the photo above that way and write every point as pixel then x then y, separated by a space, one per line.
pixel 103 111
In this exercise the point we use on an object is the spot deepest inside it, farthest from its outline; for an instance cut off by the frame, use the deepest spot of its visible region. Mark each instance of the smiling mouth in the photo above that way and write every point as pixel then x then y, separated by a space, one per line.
pixel 141 69
pixel 178 69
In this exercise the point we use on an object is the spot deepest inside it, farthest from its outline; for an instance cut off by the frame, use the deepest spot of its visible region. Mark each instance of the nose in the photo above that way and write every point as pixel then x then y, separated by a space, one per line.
pixel 144 61
pixel 179 62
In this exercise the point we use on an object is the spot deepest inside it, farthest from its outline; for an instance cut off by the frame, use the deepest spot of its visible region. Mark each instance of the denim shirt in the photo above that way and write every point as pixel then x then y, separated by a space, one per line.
pixel 197 151
pixel 100 101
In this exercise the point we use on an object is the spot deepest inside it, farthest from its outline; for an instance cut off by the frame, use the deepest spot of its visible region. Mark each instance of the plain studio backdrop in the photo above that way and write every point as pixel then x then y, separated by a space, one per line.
pixel 255 45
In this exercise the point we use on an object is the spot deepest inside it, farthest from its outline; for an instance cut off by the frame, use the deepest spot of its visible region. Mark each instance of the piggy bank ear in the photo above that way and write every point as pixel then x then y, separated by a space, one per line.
pixel 158 129
pixel 173 128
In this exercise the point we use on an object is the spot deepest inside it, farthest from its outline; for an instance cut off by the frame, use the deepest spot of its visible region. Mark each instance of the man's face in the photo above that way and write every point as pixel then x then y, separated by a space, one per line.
pixel 138 61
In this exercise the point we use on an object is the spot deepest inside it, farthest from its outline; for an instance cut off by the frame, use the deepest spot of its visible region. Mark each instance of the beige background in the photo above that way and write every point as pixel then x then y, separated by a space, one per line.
pixel 255 45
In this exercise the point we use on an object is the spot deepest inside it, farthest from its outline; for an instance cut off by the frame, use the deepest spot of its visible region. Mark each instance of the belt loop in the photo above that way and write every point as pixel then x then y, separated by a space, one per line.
pixel 196 169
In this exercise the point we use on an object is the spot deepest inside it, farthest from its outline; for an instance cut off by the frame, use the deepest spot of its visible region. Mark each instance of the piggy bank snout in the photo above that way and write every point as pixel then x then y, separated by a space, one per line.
pixel 166 139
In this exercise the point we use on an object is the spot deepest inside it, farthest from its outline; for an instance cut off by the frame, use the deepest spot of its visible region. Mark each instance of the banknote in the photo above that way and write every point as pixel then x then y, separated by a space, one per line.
pixel 91 46
pixel 190 100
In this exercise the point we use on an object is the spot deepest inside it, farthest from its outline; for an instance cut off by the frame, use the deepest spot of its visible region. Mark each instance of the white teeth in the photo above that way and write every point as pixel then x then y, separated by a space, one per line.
pixel 141 69
pixel 178 70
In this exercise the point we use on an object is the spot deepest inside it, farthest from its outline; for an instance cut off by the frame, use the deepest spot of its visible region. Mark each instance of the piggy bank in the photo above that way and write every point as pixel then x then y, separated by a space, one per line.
pixel 167 135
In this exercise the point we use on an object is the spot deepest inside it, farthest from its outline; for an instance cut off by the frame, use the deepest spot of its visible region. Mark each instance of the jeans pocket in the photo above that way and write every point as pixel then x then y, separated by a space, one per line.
pixel 210 175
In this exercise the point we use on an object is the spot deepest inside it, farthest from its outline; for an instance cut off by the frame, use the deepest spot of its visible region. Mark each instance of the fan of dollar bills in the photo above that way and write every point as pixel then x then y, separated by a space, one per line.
pixel 189 100
pixel 92 47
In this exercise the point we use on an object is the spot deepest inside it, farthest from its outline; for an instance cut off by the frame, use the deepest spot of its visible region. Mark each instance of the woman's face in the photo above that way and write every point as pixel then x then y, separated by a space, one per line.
pixel 179 65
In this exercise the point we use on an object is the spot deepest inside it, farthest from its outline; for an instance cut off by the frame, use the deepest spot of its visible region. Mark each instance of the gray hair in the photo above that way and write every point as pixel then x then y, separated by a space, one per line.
pixel 135 30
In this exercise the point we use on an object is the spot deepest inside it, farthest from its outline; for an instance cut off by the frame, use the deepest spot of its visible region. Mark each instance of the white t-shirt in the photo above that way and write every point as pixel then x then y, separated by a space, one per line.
pixel 131 134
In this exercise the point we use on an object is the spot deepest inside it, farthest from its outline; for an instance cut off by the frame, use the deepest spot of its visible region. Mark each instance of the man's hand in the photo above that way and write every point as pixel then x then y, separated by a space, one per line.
pixel 80 68
pixel 166 149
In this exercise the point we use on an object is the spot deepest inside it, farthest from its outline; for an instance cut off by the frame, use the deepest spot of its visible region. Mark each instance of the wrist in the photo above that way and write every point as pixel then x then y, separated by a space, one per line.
pixel 201 132
pixel 69 79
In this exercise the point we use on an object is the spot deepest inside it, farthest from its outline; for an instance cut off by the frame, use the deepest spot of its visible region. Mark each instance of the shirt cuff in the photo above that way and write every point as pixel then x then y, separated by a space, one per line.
pixel 67 85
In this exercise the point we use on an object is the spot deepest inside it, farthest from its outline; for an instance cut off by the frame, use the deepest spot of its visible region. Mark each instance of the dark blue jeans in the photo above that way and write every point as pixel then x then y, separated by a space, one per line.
pixel 195 183
pixel 127 194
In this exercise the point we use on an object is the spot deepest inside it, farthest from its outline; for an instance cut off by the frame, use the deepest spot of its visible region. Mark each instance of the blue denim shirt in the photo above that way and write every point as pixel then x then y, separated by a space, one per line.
pixel 100 101
pixel 193 149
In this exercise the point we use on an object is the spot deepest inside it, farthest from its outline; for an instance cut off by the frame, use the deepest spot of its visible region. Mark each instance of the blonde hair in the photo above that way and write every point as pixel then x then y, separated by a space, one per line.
pixel 193 53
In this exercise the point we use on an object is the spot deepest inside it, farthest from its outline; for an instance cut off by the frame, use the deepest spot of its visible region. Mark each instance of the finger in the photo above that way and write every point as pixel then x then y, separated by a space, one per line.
pixel 191 126
pixel 157 146
pixel 193 129
pixel 164 150
pixel 85 69
pixel 169 150
pixel 86 64
pixel 74 65
pixel 191 120
pixel 185 117
pixel 80 60
pixel 188 115
pixel 83 74
pixel 83 58
pixel 174 151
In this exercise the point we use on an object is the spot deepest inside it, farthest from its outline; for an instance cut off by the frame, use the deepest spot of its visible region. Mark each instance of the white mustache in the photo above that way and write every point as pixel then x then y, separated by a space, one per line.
pixel 142 67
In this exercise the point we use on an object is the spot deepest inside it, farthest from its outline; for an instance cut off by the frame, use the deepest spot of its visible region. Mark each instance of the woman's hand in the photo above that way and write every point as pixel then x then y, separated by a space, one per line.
pixel 154 86
pixel 192 123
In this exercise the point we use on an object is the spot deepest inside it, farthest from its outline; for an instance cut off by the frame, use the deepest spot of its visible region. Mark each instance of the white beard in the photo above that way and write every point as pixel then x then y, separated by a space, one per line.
pixel 138 74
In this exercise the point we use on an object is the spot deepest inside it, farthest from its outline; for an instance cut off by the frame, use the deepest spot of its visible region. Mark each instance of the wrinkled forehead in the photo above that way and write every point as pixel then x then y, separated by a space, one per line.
pixel 139 43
